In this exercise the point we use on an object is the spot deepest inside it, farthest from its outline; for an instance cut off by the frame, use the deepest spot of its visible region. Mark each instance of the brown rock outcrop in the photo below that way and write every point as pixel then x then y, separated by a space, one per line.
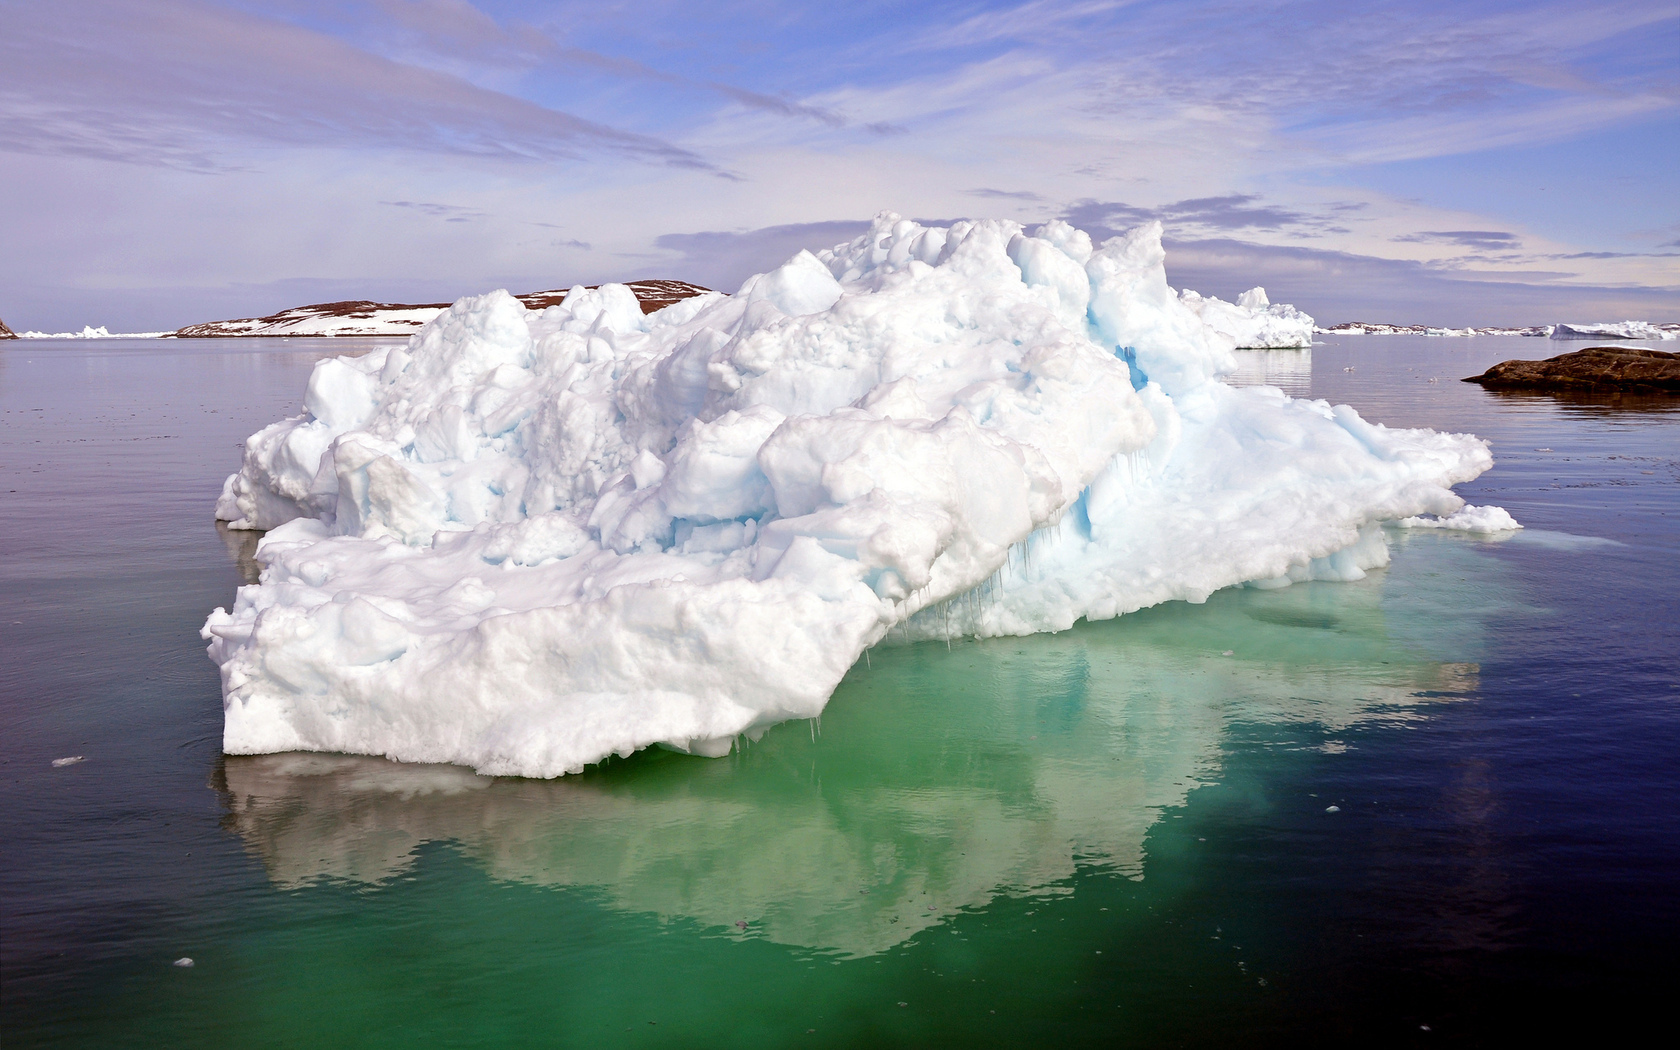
pixel 1595 368
pixel 6 333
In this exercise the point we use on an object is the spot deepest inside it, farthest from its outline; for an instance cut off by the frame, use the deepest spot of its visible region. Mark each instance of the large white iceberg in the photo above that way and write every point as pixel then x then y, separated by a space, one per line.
pixel 1253 321
pixel 1616 330
pixel 530 540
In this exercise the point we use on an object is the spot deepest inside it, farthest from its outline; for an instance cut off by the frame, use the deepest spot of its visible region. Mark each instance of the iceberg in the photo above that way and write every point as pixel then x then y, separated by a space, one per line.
pixel 529 540
pixel 1252 321
pixel 90 332
pixel 1616 330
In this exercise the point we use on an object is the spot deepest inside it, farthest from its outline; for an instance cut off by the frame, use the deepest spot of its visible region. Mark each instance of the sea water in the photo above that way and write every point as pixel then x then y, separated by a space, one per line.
pixel 1438 803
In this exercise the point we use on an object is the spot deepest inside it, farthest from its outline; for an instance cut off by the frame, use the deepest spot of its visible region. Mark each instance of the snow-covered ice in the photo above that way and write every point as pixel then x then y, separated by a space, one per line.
pixel 530 540
pixel 1253 322
pixel 1616 330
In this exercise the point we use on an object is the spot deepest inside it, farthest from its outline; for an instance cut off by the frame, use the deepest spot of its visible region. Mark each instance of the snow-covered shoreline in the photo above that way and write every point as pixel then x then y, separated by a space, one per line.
pixel 1595 330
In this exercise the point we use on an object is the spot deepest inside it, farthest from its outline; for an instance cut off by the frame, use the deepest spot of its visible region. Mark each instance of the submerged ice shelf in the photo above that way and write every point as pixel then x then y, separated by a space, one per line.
pixel 530 540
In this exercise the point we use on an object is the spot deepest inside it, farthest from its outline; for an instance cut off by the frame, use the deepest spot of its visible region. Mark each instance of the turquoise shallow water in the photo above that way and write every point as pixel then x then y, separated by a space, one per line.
pixel 1117 835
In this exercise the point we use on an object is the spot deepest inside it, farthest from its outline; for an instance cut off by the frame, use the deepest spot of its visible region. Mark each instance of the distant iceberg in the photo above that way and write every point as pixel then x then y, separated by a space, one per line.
pixel 1616 330
pixel 1369 328
pixel 90 332
pixel 529 540
pixel 1252 321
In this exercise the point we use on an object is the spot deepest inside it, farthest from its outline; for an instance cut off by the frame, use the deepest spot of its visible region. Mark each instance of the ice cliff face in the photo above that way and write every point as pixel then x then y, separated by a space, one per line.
pixel 529 540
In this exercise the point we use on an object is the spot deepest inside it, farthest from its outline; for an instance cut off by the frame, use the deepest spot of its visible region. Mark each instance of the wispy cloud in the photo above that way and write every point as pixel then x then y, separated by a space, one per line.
pixel 447 212
pixel 723 259
pixel 1291 125
pixel 186 85
pixel 461 38
pixel 1482 239
pixel 1234 211
pixel 1008 195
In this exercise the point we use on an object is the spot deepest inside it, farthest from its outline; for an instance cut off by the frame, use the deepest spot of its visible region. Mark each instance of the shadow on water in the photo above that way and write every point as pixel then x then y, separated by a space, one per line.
pixel 241 546
pixel 938 779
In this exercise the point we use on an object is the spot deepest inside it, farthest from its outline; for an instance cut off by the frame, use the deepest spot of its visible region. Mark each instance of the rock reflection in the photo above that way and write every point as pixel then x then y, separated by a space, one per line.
pixel 938 779
pixel 1593 402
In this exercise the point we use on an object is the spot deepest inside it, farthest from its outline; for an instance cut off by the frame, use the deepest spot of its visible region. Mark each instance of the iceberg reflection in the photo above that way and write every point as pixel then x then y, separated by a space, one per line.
pixel 939 778
pixel 1288 370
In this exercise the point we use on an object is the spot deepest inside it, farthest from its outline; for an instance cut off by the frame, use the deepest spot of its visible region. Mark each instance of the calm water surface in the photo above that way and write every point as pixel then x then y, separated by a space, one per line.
pixel 1114 836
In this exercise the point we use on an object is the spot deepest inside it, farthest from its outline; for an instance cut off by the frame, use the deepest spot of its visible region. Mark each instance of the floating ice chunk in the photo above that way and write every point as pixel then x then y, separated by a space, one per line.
pixel 183 962
pixel 59 763
pixel 1466 519
pixel 1253 322
pixel 529 540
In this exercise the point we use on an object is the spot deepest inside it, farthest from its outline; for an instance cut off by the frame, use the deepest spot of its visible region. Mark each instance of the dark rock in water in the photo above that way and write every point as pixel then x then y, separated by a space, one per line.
pixel 1595 368
pixel 6 333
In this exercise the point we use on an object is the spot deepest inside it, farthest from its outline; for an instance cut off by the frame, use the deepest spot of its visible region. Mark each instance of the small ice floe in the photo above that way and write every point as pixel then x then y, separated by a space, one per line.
pixel 1228 652
pixel 1468 519
pixel 59 763
pixel 183 962
pixel 1332 809
pixel 1542 450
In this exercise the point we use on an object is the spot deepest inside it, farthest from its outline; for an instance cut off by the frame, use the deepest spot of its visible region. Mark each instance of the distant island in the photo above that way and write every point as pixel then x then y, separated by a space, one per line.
pixel 360 317
pixel 1597 330
pixel 1252 321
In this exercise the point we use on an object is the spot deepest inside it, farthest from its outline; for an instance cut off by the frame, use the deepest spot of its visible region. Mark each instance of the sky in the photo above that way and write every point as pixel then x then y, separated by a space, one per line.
pixel 168 162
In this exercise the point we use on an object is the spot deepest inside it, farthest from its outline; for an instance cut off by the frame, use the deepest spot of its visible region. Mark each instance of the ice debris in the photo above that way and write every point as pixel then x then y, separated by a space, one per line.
pixel 529 540
pixel 59 763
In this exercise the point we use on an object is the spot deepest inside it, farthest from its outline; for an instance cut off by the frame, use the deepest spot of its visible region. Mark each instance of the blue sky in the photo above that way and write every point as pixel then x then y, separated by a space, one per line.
pixel 172 161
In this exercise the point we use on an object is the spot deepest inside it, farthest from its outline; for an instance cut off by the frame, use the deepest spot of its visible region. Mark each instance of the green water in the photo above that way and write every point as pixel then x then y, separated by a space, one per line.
pixel 1113 836
pixel 976 842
